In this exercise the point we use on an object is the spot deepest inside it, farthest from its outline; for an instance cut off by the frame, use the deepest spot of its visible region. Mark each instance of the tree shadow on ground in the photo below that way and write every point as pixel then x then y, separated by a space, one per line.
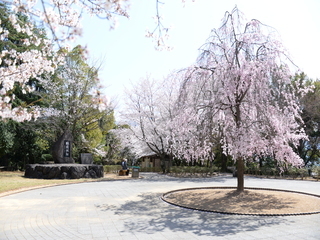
pixel 151 215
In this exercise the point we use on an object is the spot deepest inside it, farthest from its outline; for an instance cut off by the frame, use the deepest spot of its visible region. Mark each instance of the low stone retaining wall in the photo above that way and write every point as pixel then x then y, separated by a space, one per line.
pixel 63 171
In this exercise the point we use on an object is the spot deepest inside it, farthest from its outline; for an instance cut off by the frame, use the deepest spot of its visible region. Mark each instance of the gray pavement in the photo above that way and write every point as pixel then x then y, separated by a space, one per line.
pixel 132 209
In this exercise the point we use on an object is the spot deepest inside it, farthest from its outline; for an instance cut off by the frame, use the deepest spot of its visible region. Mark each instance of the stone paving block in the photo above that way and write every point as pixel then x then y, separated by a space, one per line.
pixel 115 238
pixel 132 210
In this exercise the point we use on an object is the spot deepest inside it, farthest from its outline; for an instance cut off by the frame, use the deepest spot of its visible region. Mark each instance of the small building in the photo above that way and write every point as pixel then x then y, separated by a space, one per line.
pixel 150 160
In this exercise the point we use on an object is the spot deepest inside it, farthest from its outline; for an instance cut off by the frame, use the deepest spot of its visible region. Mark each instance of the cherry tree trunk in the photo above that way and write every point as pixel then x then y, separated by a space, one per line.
pixel 240 174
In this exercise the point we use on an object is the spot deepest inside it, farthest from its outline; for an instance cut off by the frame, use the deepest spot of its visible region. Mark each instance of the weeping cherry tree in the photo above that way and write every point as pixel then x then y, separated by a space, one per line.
pixel 242 80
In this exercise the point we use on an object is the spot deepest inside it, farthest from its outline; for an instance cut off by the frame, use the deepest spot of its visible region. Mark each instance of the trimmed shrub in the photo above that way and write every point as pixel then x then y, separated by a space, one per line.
pixel 150 169
pixel 316 171
pixel 112 168
pixel 185 171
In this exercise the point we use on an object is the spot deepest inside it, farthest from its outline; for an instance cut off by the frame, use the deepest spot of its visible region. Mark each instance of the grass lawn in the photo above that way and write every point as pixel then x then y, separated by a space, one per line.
pixel 11 181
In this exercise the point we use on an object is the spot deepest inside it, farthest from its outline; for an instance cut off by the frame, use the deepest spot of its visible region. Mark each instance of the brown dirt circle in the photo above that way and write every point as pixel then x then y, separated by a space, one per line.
pixel 253 201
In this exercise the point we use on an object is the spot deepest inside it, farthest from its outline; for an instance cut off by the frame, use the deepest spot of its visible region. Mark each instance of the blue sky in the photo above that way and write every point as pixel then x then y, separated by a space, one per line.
pixel 127 55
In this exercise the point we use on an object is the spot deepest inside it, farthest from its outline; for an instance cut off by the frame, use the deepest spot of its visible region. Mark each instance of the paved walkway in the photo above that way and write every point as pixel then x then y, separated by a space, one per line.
pixel 132 209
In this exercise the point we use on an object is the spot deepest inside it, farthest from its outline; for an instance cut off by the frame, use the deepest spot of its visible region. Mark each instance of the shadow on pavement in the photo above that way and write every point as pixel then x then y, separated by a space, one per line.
pixel 151 215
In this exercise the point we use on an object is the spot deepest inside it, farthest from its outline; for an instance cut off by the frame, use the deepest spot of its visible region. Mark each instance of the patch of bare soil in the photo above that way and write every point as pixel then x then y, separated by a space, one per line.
pixel 115 176
pixel 257 202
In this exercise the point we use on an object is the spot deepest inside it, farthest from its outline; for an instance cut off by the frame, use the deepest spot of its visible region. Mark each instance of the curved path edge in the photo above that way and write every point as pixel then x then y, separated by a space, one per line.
pixel 234 213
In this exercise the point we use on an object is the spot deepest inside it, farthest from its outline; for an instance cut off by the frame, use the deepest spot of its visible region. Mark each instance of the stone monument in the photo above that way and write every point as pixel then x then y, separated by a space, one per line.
pixel 86 158
pixel 64 166
pixel 62 149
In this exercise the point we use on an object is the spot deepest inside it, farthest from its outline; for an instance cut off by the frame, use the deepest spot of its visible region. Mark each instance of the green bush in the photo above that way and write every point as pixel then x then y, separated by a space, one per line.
pixel 46 157
pixel 176 170
pixel 303 172
pixel 295 172
pixel 150 169
pixel 97 159
pixel 316 171
pixel 111 168
pixel 253 168
pixel 181 171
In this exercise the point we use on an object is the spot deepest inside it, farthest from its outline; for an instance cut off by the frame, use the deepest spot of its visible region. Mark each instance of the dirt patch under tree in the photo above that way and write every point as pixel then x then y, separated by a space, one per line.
pixel 260 202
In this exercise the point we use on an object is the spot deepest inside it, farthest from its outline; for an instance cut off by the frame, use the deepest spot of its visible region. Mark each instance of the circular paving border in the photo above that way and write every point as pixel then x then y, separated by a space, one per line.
pixel 165 195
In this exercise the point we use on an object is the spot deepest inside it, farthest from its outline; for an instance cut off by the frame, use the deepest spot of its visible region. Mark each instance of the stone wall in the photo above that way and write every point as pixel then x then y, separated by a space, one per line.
pixel 63 171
